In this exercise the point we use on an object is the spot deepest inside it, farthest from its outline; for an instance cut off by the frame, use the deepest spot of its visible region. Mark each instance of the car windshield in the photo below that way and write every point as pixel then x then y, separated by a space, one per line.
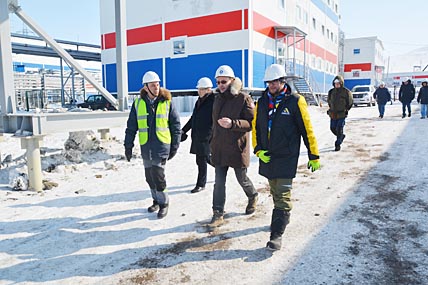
pixel 360 89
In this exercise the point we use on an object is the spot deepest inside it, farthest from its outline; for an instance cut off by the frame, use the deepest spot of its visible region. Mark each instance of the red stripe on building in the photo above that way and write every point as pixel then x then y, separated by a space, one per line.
pixel 212 24
pixel 323 53
pixel 264 25
pixel 419 76
pixel 144 35
pixel 109 40
pixel 361 66
pixel 136 36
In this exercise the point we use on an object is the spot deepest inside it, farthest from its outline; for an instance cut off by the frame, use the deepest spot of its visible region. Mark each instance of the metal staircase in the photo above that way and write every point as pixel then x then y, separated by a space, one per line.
pixel 302 87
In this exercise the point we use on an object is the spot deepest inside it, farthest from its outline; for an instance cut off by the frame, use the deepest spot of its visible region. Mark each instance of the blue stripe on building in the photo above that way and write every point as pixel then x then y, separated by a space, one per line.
pixel 136 70
pixel 327 10
pixel 260 62
pixel 349 83
pixel 184 72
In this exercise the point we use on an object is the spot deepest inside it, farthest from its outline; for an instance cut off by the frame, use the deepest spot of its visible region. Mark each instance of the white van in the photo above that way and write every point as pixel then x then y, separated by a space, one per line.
pixel 363 94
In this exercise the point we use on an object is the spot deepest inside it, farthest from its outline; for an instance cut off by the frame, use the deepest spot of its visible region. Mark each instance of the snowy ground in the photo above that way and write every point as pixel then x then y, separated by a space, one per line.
pixel 361 219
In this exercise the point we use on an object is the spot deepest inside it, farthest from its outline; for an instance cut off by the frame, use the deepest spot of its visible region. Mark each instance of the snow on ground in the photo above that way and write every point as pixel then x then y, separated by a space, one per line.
pixel 361 219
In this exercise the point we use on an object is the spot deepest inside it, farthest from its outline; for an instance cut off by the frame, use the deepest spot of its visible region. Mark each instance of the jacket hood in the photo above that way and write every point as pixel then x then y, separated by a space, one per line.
pixel 234 88
pixel 163 93
pixel 340 78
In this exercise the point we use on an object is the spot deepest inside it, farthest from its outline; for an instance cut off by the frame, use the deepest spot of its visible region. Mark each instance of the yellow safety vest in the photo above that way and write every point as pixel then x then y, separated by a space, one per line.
pixel 162 129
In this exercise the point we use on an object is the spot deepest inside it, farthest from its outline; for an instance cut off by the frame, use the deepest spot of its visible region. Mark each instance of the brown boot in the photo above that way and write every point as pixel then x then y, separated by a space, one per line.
pixel 251 206
pixel 217 219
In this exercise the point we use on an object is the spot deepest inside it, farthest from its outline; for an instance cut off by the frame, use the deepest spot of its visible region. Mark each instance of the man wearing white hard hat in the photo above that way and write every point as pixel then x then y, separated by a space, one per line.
pixel 157 121
pixel 382 96
pixel 233 112
pixel 406 94
pixel 201 125
pixel 340 101
pixel 280 121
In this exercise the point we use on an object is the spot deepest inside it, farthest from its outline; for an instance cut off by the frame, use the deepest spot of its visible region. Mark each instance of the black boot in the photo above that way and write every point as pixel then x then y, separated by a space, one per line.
pixel 280 219
pixel 251 206
pixel 154 207
pixel 163 211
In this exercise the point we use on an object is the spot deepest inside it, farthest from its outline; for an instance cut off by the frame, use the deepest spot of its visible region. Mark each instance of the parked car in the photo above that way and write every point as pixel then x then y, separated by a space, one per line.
pixel 363 95
pixel 96 102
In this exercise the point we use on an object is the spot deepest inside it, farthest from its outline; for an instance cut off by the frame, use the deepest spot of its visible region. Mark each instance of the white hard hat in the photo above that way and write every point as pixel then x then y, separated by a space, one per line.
pixel 381 83
pixel 406 79
pixel 224 70
pixel 273 72
pixel 204 82
pixel 150 76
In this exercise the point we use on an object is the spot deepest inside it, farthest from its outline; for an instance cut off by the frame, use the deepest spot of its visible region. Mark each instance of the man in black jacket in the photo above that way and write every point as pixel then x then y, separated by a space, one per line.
pixel 423 98
pixel 382 96
pixel 157 121
pixel 201 123
pixel 406 95
pixel 280 121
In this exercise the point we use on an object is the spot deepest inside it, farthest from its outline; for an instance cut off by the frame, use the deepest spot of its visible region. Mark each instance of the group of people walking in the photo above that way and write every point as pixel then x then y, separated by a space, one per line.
pixel 406 94
pixel 221 123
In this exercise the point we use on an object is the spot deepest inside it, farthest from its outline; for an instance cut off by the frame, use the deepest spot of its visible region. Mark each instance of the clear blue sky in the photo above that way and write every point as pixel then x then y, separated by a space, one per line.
pixel 401 25
pixel 77 20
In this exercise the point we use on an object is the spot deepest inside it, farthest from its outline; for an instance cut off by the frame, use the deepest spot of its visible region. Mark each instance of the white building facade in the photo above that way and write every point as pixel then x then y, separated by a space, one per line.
pixel 183 40
pixel 364 62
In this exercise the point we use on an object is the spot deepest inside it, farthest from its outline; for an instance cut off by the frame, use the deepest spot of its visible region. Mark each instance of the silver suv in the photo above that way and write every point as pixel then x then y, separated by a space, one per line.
pixel 363 94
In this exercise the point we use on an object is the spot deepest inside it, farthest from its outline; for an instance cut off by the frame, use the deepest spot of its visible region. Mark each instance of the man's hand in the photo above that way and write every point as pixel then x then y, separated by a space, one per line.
pixel 263 155
pixel 314 165
pixel 128 153
pixel 172 153
pixel 225 122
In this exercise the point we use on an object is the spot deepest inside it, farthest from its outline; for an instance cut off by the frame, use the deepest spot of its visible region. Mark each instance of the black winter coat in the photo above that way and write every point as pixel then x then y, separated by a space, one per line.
pixel 201 123
pixel 290 123
pixel 382 95
pixel 423 95
pixel 154 149
pixel 406 93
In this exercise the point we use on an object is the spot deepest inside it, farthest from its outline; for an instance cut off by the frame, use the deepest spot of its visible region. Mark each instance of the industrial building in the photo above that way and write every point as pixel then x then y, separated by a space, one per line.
pixel 364 61
pixel 185 40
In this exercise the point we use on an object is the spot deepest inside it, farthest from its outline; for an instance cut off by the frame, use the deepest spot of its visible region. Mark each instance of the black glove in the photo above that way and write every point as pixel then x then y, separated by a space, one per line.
pixel 128 153
pixel 183 136
pixel 172 153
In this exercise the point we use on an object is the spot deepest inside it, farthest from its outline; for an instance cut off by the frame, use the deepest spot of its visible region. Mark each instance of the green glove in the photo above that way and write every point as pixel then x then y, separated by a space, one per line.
pixel 314 165
pixel 263 155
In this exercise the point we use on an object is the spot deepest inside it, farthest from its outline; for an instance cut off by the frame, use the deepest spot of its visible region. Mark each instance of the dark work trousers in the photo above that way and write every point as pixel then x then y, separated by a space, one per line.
pixel 154 171
pixel 219 195
pixel 336 127
pixel 202 161
pixel 409 109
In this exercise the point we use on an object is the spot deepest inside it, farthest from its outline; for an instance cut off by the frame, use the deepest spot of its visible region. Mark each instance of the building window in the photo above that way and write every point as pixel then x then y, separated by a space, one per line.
pixel 314 23
pixel 305 17
pixel 298 13
pixel 328 33
pixel 282 4
pixel 356 51
pixel 331 36
pixel 323 30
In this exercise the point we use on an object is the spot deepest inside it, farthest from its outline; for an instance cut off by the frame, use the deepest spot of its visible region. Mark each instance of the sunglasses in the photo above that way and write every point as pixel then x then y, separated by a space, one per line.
pixel 222 82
